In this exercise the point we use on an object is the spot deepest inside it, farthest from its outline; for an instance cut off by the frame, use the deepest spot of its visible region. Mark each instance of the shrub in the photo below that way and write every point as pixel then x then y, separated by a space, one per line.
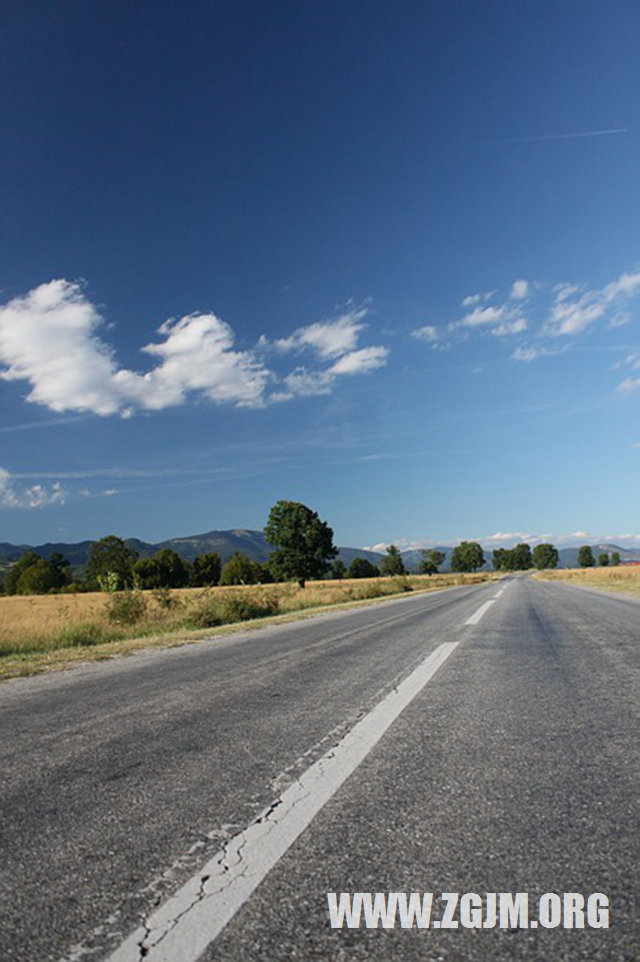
pixel 244 607
pixel 83 635
pixel 401 583
pixel 207 610
pixel 164 599
pixel 125 607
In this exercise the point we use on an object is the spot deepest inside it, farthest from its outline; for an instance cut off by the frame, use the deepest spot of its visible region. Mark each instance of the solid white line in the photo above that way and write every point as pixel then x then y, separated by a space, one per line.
pixel 477 615
pixel 181 929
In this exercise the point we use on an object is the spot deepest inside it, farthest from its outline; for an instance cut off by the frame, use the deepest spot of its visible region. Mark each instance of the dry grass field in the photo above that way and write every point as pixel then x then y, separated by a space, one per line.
pixel 623 578
pixel 42 631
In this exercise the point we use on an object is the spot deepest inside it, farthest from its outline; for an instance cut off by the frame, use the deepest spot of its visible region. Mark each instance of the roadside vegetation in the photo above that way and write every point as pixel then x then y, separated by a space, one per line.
pixel 52 613
pixel 622 578
pixel 41 631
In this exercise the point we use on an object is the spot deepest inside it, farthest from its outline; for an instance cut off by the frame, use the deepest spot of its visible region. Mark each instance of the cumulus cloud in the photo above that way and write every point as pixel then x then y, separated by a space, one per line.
pixel 428 333
pixel 34 496
pixel 529 354
pixel 305 383
pixel 328 339
pixel 472 299
pixel 510 327
pixel 481 316
pixel 360 362
pixel 572 312
pixel 508 536
pixel 519 290
pixel 629 385
pixel 50 338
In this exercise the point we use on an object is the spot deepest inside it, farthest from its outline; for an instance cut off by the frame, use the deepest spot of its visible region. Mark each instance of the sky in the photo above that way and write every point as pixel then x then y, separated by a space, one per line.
pixel 380 256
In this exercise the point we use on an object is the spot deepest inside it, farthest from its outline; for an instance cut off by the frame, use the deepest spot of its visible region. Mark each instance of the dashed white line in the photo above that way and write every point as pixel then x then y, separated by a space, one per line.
pixel 477 615
pixel 181 929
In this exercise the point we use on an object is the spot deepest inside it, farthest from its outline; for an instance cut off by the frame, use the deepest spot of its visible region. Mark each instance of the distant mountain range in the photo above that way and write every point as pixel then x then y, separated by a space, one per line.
pixel 253 544
pixel 224 543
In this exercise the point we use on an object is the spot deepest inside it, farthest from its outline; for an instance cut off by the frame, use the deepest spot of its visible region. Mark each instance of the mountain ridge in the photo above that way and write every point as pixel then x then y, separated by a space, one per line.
pixel 252 543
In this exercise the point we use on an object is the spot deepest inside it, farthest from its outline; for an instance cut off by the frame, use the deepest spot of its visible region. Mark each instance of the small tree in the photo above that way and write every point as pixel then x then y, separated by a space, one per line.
pixel 304 544
pixel 467 556
pixel 392 563
pixel 206 570
pixel 363 568
pixel 13 576
pixel 37 579
pixel 603 560
pixel 239 570
pixel 338 570
pixel 585 557
pixel 500 559
pixel 615 558
pixel 545 556
pixel 431 561
pixel 110 554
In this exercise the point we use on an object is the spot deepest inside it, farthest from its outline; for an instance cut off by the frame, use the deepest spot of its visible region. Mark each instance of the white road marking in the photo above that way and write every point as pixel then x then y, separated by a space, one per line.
pixel 181 929
pixel 477 615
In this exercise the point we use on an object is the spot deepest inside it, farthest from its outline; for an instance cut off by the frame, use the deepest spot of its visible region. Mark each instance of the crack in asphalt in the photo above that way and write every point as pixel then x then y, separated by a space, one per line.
pixel 146 943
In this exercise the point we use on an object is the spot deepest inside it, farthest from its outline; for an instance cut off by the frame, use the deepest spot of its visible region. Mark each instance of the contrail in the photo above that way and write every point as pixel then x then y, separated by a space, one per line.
pixel 569 136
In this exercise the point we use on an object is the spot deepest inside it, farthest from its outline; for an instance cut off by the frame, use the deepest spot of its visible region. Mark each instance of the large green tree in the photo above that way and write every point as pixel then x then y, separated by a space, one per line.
pixel 25 561
pixel 33 575
pixel 303 543
pixel 585 557
pixel 431 561
pixel 392 563
pixel 522 558
pixel 110 555
pixel 467 556
pixel 615 558
pixel 545 555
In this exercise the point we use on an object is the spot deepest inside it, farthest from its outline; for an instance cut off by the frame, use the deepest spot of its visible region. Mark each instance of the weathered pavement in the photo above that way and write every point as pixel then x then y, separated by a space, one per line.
pixel 514 769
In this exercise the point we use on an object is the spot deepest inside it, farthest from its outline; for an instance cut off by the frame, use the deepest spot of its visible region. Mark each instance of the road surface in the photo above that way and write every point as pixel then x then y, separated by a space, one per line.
pixel 477 740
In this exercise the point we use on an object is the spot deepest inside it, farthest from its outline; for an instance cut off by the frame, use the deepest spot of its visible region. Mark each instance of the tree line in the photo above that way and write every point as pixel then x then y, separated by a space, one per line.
pixel 303 549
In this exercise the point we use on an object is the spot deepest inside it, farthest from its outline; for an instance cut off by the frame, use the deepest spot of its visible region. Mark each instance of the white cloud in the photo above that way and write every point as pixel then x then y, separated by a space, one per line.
pixel 472 299
pixel 571 314
pixel 361 362
pixel 329 339
pixel 508 536
pixel 50 338
pixel 305 383
pixel 619 320
pixel 519 290
pixel 427 333
pixel 629 385
pixel 482 315
pixel 35 496
pixel 528 354
pixel 510 327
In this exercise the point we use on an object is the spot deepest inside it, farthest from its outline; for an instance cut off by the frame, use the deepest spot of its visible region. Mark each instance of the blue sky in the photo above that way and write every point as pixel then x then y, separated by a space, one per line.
pixel 382 258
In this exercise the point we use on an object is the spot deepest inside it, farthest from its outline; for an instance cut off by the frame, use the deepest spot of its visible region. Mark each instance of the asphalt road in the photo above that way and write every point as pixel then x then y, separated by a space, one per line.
pixel 514 769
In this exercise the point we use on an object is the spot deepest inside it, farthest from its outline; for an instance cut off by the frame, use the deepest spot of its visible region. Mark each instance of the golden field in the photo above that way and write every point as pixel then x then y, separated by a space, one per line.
pixel 42 631
pixel 623 578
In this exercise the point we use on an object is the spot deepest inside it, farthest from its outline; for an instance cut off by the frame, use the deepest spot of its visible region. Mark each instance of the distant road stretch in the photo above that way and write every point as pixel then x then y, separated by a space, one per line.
pixel 246 798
